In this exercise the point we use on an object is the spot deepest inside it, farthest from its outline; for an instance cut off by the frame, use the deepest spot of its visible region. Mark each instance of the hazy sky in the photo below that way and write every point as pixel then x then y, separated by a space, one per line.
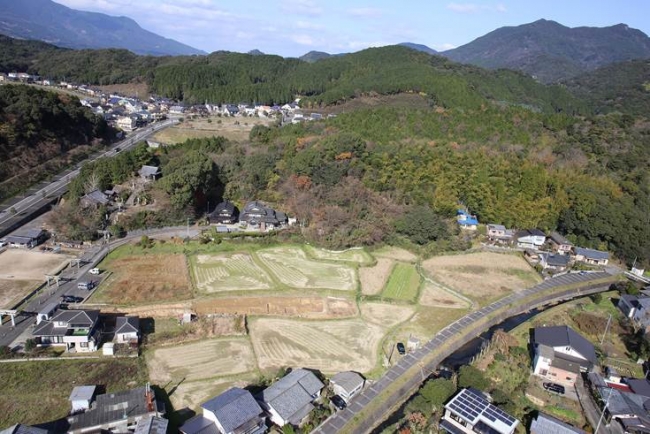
pixel 294 27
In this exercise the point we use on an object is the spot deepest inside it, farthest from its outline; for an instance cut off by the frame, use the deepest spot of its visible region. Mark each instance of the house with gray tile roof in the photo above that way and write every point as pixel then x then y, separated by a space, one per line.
pixel 233 412
pixel 559 244
pixel 24 429
pixel 127 329
pixel 545 424
pixel 74 329
pixel 347 384
pixel 636 308
pixel 151 425
pixel 95 199
pixel 591 256
pixel 289 400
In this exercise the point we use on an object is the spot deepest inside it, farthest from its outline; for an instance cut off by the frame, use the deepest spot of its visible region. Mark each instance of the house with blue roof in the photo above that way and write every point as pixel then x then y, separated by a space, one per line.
pixel 466 220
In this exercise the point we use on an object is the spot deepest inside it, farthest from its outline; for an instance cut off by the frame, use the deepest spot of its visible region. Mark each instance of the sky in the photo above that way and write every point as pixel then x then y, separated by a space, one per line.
pixel 292 28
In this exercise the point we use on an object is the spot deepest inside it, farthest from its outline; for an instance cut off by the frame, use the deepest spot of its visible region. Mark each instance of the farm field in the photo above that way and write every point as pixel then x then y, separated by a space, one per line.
pixel 12 291
pixel 359 256
pixel 236 129
pixel 191 394
pixel 482 276
pixel 145 278
pixel 292 267
pixel 395 253
pixel 373 279
pixel 403 283
pixel 434 296
pixel 427 321
pixel 329 346
pixel 303 306
pixel 33 402
pixel 386 315
pixel 228 272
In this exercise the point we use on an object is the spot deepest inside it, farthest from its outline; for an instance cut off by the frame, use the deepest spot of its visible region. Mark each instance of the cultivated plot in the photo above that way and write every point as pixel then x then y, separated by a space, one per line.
pixel 201 360
pixel 482 276
pixel 395 253
pixel 386 315
pixel 13 291
pixel 434 296
pixel 229 272
pixel 373 279
pixel 329 346
pixel 145 278
pixel 292 267
pixel 403 283
pixel 303 306
pixel 356 255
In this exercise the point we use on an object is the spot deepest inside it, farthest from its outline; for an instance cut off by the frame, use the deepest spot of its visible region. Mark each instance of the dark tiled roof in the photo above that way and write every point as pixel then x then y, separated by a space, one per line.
pixel 81 318
pixel 545 424
pixel 149 171
pixel 127 324
pixel 199 425
pixel 563 336
pixel 347 380
pixel 24 429
pixel 291 396
pixel 233 408
pixel 639 386
pixel 559 239
pixel 556 260
pixel 591 254
pixel 97 197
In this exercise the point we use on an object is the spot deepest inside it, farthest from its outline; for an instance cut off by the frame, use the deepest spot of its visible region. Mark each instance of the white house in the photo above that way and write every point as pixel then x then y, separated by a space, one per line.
pixel 289 400
pixel 530 239
pixel 74 329
pixel 81 398
pixel 590 256
pixel 347 384
pixel 471 412
pixel 127 329
pixel 126 123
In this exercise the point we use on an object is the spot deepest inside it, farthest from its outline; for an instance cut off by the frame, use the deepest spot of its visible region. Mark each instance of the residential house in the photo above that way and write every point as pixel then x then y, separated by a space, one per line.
pixel 466 220
pixel 95 199
pixel 81 398
pixel 640 386
pixel 149 173
pixel 289 400
pixel 233 412
pixel 561 354
pixel 554 261
pixel 590 256
pixel 636 308
pixel 225 213
pixel 559 244
pixel 545 424
pixel 530 239
pixel 177 110
pixel 127 330
pixel 230 110
pixel 315 117
pixel 3 76
pixel 47 312
pixel 74 329
pixel 347 384
pixel 151 425
pixel 470 411
pixel 118 412
pixel 257 214
pixel 627 408
pixel 126 123
pixel 499 234
pixel 24 429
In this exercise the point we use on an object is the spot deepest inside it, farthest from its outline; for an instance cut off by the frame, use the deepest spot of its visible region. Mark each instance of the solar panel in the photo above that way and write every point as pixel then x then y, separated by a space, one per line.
pixel 469 404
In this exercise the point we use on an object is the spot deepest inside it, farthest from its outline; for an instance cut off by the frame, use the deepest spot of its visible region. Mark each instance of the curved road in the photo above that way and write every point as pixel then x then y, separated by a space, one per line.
pixel 445 343
pixel 46 194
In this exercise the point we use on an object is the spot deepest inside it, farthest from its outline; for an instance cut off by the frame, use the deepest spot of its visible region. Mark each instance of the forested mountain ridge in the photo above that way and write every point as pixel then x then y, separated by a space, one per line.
pixel 40 132
pixel 550 51
pixel 51 22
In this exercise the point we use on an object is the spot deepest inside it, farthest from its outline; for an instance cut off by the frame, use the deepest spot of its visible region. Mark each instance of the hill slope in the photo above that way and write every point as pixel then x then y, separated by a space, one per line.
pixel 551 51
pixel 418 47
pixel 51 22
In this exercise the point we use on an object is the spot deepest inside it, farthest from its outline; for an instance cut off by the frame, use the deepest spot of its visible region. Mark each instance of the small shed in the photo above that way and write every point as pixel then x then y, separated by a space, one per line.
pixel 81 397
pixel 46 313
pixel 127 329
pixel 108 349
pixel 347 384
pixel 149 172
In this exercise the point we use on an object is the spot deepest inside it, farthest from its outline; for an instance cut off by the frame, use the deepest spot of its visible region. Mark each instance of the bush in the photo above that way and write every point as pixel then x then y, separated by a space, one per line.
pixel 30 345
pixel 469 376
pixel 597 298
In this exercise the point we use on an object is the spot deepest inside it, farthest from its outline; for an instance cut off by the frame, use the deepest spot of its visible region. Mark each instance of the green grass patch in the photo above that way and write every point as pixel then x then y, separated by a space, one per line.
pixel 563 413
pixel 403 283
pixel 37 392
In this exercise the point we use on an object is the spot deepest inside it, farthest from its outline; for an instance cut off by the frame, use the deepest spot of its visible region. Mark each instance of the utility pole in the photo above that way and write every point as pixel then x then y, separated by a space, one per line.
pixel 602 414
pixel 188 227
pixel 606 328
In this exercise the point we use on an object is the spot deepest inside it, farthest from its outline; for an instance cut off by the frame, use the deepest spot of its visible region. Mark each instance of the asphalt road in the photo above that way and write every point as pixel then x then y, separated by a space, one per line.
pixel 337 421
pixel 37 197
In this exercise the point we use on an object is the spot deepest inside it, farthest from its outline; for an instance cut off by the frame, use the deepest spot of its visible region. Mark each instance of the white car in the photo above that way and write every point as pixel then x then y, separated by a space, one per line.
pixel 94 271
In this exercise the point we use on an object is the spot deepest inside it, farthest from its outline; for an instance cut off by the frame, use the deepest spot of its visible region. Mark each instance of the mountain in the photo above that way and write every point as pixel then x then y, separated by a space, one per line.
pixel 45 20
pixel 418 47
pixel 550 51
pixel 255 52
pixel 315 56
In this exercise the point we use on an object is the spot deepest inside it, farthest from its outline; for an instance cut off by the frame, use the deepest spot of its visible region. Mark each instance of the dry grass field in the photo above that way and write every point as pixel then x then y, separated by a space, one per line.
pixel 373 279
pixel 23 270
pixel 395 253
pixel 386 315
pixel 359 256
pixel 236 129
pixel 329 346
pixel 482 276
pixel 292 267
pixel 229 272
pixel 191 394
pixel 427 321
pixel 145 279
pixel 302 307
pixel 201 360
pixel 434 296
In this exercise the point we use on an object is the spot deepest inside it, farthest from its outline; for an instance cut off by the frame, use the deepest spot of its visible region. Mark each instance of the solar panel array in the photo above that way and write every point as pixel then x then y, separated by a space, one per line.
pixel 469 405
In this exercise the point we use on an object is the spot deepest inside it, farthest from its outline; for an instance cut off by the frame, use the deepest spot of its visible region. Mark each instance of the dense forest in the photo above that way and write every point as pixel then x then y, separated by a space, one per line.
pixel 41 132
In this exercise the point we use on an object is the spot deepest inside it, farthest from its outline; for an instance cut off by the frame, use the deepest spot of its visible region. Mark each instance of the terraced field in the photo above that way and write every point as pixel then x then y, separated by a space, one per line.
pixel 292 267
pixel 403 283
pixel 359 256
pixel 229 272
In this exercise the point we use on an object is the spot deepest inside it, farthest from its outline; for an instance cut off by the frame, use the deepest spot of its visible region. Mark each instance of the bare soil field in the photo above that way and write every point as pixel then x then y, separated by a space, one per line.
pixel 292 267
pixel 395 253
pixel 201 360
pixel 428 321
pixel 386 315
pixel 163 310
pixel 434 296
pixel 12 291
pixel 357 255
pixel 373 279
pixel 236 129
pixel 142 279
pixel 482 276
pixel 330 346
pixel 303 307
pixel 229 272
pixel 22 264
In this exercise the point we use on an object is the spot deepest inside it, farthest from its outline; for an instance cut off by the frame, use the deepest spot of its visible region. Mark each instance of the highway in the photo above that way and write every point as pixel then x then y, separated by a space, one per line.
pixel 45 194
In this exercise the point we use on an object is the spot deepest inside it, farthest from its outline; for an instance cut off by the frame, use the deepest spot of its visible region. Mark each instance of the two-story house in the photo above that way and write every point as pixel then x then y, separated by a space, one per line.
pixel 466 220
pixel 75 329
pixel 257 214
pixel 559 244
pixel 530 239
pixel 637 309
pixel 225 213
pixel 289 400
pixel 554 261
pixel 561 354
pixel 347 384
pixel 470 412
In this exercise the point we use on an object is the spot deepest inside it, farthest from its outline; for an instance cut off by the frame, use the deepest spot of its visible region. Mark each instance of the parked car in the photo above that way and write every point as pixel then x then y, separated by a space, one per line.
pixel 554 387
pixel 400 348
pixel 71 299
pixel 94 271
pixel 338 402
pixel 3 243
pixel 90 284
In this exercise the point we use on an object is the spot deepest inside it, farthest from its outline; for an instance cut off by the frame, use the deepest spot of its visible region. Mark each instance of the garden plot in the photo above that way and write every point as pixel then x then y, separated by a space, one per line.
pixel 229 272
pixel 201 360
pixel 304 306
pixel 403 283
pixel 395 253
pixel 373 279
pixel 291 266
pixel 357 255
pixel 145 278
pixel 330 346
pixel 434 296
pixel 386 315
pixel 482 276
